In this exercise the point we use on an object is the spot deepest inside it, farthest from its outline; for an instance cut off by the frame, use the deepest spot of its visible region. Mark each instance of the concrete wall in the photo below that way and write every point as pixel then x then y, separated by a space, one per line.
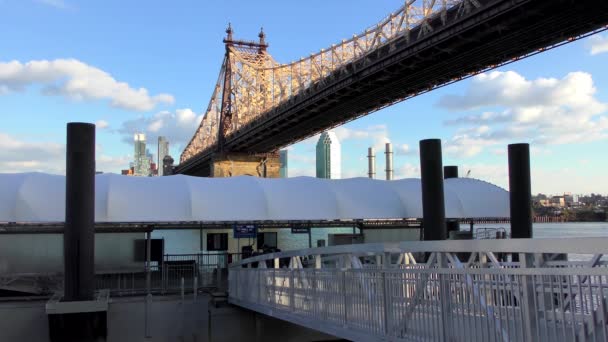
pixel 236 164
pixel 165 319
pixel 43 253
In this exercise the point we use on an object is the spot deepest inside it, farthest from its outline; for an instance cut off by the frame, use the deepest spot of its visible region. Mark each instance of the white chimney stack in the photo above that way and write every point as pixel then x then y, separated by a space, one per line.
pixel 371 159
pixel 389 161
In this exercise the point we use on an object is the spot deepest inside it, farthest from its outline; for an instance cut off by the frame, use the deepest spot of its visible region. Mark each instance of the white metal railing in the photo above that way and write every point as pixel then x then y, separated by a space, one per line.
pixel 489 290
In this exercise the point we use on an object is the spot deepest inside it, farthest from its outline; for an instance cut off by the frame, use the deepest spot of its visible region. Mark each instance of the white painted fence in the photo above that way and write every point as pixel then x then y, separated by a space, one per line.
pixel 436 291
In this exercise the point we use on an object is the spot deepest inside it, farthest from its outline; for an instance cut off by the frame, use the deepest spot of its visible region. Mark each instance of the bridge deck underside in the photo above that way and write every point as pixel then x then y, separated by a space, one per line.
pixel 499 32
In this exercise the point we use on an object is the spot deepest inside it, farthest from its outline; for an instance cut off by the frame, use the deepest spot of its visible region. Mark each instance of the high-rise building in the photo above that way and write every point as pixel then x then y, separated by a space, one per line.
pixel 329 156
pixel 283 160
pixel 163 150
pixel 141 160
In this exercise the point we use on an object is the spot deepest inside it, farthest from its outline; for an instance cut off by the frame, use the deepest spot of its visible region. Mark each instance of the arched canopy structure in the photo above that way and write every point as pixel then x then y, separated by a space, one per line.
pixel 37 197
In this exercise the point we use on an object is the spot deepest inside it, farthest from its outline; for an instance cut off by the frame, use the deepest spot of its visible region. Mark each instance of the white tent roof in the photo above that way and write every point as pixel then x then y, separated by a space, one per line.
pixel 37 197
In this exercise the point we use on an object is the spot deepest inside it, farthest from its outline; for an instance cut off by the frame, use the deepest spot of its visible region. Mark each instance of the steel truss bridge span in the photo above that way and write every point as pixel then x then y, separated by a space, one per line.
pixel 260 105
pixel 475 290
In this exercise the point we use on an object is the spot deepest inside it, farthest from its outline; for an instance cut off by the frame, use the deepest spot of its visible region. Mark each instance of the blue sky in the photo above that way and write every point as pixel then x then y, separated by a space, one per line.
pixel 151 66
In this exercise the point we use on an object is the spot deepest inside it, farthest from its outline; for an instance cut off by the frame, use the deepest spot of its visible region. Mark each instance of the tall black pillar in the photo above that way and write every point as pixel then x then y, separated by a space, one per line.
pixel 450 172
pixel 79 235
pixel 433 205
pixel 520 193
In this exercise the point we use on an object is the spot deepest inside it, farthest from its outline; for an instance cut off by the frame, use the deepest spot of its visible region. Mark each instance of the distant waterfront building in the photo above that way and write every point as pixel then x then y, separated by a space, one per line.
pixel 163 150
pixel 141 164
pixel 283 160
pixel 329 157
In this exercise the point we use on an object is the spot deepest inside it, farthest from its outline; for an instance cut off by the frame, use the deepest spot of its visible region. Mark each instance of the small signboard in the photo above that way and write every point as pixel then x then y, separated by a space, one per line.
pixel 300 229
pixel 245 231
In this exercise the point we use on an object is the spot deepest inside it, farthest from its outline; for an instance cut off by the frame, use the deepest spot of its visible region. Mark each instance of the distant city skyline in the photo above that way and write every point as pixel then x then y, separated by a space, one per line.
pixel 158 81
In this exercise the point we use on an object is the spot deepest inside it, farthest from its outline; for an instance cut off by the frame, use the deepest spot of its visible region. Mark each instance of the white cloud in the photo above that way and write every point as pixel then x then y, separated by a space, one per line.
pixel 545 111
pixel 19 155
pixel 492 173
pixel 76 80
pixel 598 44
pixel 377 135
pixel 178 127
pixel 101 124
pixel 403 150
pixel 407 170
pixel 113 164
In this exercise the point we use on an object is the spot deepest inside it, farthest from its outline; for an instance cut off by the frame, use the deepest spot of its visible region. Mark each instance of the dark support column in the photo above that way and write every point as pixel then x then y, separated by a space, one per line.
pixel 309 237
pixel 84 318
pixel 520 193
pixel 79 235
pixel 200 238
pixel 148 261
pixel 450 171
pixel 433 204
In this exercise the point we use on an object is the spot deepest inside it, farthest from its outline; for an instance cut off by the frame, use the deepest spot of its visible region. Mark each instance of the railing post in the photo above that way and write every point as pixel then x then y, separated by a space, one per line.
pixel 385 301
pixel 259 284
pixel 527 301
pixel 274 287
pixel 345 301
pixel 182 288
pixel 444 297
pixel 291 290
pixel 237 281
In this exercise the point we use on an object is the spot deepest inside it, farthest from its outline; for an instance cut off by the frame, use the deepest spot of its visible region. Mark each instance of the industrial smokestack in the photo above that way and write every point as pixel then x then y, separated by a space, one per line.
pixel 389 161
pixel 371 163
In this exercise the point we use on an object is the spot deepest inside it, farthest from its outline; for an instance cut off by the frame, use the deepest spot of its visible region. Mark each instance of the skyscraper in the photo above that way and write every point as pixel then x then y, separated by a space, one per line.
pixel 283 160
pixel 141 161
pixel 329 156
pixel 163 150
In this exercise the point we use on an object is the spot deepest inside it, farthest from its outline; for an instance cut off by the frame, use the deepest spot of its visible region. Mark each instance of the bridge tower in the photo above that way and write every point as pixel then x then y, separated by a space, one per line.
pixel 225 162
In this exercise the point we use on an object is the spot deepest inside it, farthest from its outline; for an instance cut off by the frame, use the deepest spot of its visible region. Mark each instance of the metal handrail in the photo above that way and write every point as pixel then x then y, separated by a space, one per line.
pixel 485 290
pixel 595 245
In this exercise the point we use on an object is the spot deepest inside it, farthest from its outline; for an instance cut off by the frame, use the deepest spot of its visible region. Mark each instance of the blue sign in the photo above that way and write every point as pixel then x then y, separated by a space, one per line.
pixel 245 231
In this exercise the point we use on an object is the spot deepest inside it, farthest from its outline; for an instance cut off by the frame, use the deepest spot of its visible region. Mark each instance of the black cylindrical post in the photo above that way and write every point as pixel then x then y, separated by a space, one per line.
pixel 433 206
pixel 450 172
pixel 167 166
pixel 79 234
pixel 520 192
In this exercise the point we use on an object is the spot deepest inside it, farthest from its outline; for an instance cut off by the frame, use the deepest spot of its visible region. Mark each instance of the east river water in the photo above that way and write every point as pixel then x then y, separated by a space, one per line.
pixel 559 230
